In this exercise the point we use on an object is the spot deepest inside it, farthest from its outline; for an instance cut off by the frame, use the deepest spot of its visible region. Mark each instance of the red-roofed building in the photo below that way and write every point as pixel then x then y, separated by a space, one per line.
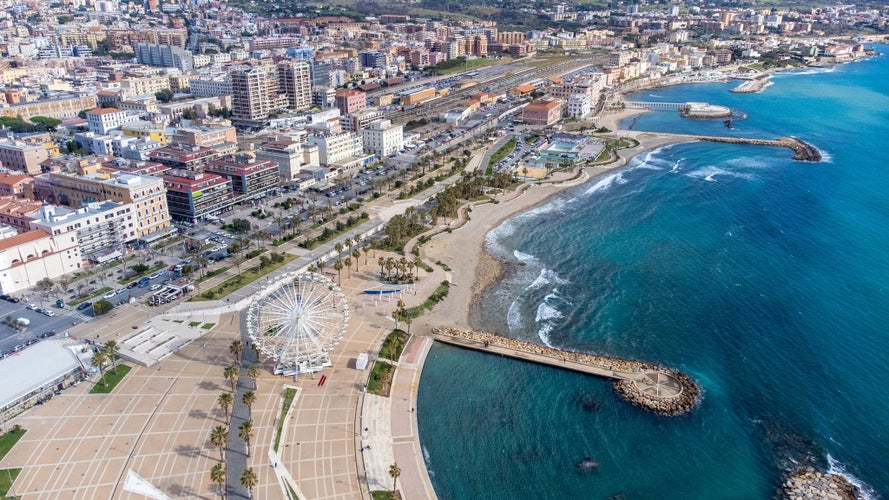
pixel 542 112
pixel 16 185
pixel 192 196
pixel 18 213
pixel 184 157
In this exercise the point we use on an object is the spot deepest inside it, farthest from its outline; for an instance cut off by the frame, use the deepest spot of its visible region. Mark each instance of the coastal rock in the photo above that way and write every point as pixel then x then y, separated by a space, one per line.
pixel 809 483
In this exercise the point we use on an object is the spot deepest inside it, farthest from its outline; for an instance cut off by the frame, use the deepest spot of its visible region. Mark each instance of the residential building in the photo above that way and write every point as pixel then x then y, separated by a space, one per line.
pixel 255 94
pixel 57 107
pixel 17 213
pixel 286 154
pixel 167 56
pixel 350 101
pixel 383 138
pixel 205 135
pixel 22 156
pixel 184 157
pixel 295 80
pixel 94 183
pixel 102 228
pixel 192 196
pixel 29 257
pixel 579 105
pixel 360 119
pixel 137 86
pixel 542 112
pixel 211 86
pixel 250 178
pixel 334 148
pixel 15 185
pixel 141 128
pixel 103 120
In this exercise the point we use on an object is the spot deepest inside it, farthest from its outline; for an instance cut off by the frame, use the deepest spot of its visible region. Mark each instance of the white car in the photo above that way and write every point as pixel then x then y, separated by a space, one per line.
pixel 109 295
pixel 49 313
pixel 154 287
pixel 155 275
pixel 32 307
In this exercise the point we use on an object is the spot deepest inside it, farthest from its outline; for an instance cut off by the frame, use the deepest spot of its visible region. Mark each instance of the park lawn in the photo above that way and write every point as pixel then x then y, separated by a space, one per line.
pixel 7 477
pixel 289 394
pixel 381 376
pixel 393 345
pixel 112 378
pixel 385 495
pixel 500 154
pixel 9 439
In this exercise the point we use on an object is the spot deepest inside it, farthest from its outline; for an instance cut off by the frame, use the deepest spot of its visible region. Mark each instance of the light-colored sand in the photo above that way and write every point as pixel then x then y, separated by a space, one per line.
pixel 463 250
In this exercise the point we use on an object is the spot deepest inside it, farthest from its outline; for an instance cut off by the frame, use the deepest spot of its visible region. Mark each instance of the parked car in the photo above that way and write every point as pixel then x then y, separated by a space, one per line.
pixel 84 306
pixel 154 287
pixel 32 307
pixel 109 295
pixel 46 335
pixel 49 313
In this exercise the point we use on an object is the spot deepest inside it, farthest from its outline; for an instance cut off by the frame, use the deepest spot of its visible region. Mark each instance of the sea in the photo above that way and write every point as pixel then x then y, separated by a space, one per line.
pixel 764 278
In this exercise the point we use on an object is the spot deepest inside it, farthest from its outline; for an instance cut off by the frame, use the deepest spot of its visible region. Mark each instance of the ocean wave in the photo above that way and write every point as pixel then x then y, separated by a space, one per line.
pixel 525 258
pixel 649 162
pixel 835 467
pixel 710 172
pixel 546 277
pixel 546 320
pixel 514 317
pixel 426 460
pixel 676 165
pixel 605 183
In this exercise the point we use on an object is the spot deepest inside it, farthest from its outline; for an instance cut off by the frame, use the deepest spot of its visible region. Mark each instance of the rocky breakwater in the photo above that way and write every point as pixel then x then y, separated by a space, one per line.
pixel 646 385
pixel 804 151
pixel 809 483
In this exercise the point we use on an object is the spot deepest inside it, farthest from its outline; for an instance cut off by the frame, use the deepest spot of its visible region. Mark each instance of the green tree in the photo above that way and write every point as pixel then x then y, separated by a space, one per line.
pixel 236 348
pixel 46 123
pixel 102 306
pixel 100 360
pixel 394 472
pixel 249 480
pixel 248 399
pixel 111 350
pixel 338 265
pixel 165 95
pixel 219 438
pixel 217 477
pixel 245 432
pixel 231 374
pixel 225 401
pixel 253 373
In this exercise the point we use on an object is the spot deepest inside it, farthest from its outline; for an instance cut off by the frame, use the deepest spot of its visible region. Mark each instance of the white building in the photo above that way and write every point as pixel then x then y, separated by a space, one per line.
pixel 286 154
pixel 102 120
pixel 579 105
pixel 102 228
pixel 30 257
pixel 383 138
pixel 211 86
pixel 334 148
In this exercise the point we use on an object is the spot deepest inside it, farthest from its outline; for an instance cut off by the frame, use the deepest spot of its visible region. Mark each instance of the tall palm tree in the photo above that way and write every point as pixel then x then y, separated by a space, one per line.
pixel 338 265
pixel 217 476
pixel 225 401
pixel 394 472
pixel 382 262
pixel 339 250
pixel 245 432
pixel 100 359
pixel 348 264
pixel 236 348
pixel 201 263
pixel 231 373
pixel 219 438
pixel 111 349
pixel 249 480
pixel 356 254
pixel 248 399
pixel 253 372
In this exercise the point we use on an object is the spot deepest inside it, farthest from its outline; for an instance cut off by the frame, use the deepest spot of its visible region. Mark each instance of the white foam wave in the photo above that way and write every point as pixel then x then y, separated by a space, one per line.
pixel 526 258
pixel 605 183
pixel 710 172
pixel 426 460
pixel 649 162
pixel 546 277
pixel 826 157
pixel 676 165
pixel 835 467
pixel 514 317
pixel 546 319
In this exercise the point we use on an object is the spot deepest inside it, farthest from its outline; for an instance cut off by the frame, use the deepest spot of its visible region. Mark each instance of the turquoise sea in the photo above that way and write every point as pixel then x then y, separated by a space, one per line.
pixel 764 278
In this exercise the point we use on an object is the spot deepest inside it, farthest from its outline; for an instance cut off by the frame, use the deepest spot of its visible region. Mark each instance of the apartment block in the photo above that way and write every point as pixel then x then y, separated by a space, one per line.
pixel 102 228
pixel 383 138
pixel 192 196
pixel 29 257
pixel 249 178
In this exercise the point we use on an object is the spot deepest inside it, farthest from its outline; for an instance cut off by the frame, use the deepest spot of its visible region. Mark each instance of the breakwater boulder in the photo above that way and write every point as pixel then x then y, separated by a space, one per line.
pixel 808 483
pixel 648 386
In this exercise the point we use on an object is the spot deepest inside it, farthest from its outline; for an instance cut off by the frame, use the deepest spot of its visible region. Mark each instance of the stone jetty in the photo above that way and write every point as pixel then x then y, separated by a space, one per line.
pixel 752 86
pixel 809 483
pixel 804 151
pixel 648 386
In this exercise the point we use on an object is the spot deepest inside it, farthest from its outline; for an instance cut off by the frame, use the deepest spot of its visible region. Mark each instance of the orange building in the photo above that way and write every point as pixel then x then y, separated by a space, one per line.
pixel 542 112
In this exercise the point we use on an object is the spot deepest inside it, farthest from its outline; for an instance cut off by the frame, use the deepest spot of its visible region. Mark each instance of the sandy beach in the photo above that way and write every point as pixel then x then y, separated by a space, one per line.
pixel 473 269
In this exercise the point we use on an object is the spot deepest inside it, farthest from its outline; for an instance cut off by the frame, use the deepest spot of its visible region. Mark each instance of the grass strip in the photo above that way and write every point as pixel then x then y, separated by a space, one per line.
pixel 289 394
pixel 393 345
pixel 112 378
pixel 237 282
pixel 7 477
pixel 437 296
pixel 9 439
pixel 380 381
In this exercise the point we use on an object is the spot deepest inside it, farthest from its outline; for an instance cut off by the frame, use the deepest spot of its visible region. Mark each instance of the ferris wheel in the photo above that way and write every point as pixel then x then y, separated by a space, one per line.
pixel 299 323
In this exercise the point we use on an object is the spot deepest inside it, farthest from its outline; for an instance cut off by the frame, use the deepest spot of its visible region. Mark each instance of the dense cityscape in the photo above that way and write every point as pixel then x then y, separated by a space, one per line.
pixel 166 166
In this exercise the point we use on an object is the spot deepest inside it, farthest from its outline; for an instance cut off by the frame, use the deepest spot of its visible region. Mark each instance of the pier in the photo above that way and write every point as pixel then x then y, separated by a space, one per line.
pixel 804 151
pixel 646 385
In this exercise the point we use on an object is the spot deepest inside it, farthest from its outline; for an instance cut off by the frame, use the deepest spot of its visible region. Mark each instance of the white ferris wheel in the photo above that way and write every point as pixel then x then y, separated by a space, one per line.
pixel 299 323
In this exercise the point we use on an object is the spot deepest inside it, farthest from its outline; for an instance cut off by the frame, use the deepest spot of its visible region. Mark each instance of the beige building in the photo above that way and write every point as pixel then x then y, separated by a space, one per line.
pixel 134 86
pixel 205 136
pixel 295 80
pixel 147 194
pixel 286 154
pixel 60 107
pixel 29 257
pixel 22 157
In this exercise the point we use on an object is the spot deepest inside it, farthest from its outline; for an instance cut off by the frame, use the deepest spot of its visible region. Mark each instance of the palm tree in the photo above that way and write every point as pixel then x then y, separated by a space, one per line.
pixel 248 399
pixel 219 438
pixel 225 401
pixel 339 250
pixel 338 265
pixel 348 264
pixel 245 432
pixel 249 480
pixel 100 359
pixel 394 471
pixel 201 262
pixel 356 254
pixel 253 372
pixel 408 320
pixel 231 373
pixel 236 348
pixel 217 476
pixel 111 349
pixel 382 262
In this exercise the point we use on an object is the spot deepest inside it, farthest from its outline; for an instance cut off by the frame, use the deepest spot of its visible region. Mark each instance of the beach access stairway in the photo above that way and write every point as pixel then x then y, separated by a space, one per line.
pixel 646 385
